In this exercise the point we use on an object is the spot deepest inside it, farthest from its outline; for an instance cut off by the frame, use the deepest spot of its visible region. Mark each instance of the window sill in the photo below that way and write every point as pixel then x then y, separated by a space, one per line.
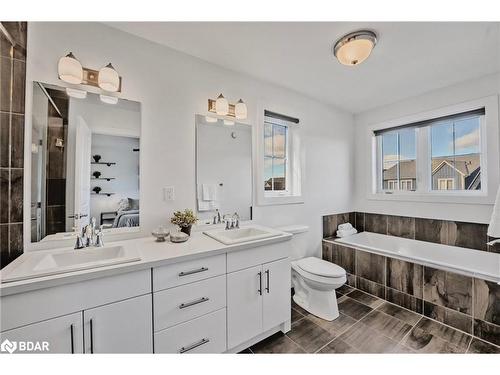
pixel 280 199
pixel 458 198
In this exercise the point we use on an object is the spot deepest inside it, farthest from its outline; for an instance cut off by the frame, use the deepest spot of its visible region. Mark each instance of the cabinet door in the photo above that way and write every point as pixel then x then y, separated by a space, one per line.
pixel 244 305
pixel 62 335
pixel 120 327
pixel 276 293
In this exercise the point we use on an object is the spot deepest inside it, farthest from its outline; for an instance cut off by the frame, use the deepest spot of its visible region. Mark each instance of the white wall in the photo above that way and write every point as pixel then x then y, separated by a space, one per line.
pixel 125 172
pixel 466 91
pixel 172 87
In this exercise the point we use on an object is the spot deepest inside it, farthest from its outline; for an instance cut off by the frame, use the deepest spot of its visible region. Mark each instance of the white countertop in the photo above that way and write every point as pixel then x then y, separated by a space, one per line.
pixel 152 253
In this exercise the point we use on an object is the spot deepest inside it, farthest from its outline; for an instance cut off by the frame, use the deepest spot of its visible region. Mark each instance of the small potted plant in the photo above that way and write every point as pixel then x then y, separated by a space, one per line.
pixel 185 220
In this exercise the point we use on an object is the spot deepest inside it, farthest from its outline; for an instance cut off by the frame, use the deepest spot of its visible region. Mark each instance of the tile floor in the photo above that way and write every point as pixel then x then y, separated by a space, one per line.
pixel 368 324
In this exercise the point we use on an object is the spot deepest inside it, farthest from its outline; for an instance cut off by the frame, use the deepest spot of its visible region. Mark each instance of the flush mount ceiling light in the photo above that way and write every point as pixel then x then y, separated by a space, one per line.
pixel 240 110
pixel 221 106
pixel 108 99
pixel 354 48
pixel 108 79
pixel 70 69
pixel 75 93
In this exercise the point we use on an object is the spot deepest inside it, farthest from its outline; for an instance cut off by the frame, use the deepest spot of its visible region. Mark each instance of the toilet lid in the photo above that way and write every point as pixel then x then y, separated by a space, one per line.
pixel 320 267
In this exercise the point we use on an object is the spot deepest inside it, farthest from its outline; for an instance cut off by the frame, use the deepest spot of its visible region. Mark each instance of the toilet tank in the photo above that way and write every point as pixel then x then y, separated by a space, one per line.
pixel 298 243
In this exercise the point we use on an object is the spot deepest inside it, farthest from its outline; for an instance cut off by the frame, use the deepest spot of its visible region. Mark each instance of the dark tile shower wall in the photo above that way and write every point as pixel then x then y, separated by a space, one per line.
pixel 456 233
pixel 12 91
pixel 468 304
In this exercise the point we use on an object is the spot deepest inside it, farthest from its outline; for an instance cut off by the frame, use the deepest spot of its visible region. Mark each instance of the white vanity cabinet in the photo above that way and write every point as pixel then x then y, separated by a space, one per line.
pixel 119 327
pixel 258 299
pixel 110 315
pixel 61 335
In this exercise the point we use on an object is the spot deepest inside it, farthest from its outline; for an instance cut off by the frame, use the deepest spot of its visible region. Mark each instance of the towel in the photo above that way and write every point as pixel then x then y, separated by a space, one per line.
pixel 346 226
pixel 208 192
pixel 345 233
pixel 207 205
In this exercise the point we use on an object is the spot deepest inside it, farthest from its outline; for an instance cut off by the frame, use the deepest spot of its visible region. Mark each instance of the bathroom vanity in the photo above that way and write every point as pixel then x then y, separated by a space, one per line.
pixel 196 297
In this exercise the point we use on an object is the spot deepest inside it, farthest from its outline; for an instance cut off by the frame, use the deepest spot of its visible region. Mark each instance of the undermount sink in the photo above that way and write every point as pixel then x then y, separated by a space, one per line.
pixel 38 264
pixel 246 234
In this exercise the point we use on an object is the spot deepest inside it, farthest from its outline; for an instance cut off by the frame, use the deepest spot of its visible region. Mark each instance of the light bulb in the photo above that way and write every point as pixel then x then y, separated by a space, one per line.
pixel 108 79
pixel 240 110
pixel 221 106
pixel 70 69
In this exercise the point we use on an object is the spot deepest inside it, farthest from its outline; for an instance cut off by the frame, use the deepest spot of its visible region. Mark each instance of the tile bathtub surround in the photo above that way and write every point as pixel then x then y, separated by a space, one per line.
pixel 12 93
pixel 456 233
pixel 368 324
pixel 471 306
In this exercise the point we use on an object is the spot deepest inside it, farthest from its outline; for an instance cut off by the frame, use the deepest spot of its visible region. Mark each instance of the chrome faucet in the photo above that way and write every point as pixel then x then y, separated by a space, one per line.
pixel 233 222
pixel 89 236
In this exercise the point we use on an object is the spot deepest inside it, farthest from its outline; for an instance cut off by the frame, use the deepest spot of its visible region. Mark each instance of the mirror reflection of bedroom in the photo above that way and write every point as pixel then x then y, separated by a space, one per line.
pixel 85 162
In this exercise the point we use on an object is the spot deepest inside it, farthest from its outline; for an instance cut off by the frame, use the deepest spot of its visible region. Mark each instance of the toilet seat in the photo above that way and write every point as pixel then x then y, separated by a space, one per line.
pixel 320 267
pixel 337 270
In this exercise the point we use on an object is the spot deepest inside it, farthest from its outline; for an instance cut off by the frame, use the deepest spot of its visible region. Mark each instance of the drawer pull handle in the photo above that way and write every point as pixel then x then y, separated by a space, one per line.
pixel 267 279
pixel 192 303
pixel 185 349
pixel 72 329
pixel 186 273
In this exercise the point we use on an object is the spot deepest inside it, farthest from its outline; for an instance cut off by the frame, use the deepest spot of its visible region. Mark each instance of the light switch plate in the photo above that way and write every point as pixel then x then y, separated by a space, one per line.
pixel 168 193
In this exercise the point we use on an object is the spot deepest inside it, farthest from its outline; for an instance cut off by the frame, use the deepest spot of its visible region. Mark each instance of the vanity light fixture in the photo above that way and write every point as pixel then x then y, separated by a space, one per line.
pixel 75 93
pixel 240 110
pixel 70 69
pixel 108 79
pixel 221 106
pixel 354 48
pixel 108 99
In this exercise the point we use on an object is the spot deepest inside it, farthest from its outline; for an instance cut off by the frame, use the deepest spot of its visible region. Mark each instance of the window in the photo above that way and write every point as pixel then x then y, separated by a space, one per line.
pixel 442 154
pixel 398 159
pixel 281 161
pixel 275 157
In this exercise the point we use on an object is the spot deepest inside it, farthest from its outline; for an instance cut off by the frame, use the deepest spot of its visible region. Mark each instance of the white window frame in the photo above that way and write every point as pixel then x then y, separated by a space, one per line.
pixel 295 161
pixel 423 193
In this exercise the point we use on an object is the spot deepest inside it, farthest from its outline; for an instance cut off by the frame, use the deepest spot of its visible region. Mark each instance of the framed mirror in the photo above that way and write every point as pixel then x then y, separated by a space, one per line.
pixel 223 169
pixel 85 160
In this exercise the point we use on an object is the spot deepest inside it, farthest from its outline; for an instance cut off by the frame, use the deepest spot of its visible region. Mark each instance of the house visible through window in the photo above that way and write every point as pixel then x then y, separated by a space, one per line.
pixel 275 156
pixel 450 160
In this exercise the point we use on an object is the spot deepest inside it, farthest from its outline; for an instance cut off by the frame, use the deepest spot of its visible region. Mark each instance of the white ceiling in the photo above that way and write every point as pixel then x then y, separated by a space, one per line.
pixel 409 59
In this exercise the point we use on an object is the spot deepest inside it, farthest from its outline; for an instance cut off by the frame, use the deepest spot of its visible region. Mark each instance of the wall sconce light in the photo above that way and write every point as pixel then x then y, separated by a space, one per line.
pixel 222 107
pixel 70 70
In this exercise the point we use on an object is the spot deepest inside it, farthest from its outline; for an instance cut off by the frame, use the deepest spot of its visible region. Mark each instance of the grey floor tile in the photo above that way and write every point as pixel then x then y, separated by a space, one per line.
pixel 401 349
pixel 451 335
pixel 352 308
pixel 298 308
pixel 277 343
pixel 423 342
pixel 309 336
pixel 366 298
pixel 387 325
pixel 345 289
pixel 338 346
pixel 401 313
pixel 335 327
pixel 479 346
pixel 296 315
pixel 367 340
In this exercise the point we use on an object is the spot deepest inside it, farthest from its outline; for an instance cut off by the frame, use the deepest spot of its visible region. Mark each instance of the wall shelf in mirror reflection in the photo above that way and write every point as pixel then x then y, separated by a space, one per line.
pixel 98 139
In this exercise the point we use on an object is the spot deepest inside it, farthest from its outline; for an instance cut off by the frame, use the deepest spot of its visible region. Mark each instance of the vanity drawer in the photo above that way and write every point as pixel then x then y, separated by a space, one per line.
pixel 186 302
pixel 206 334
pixel 187 272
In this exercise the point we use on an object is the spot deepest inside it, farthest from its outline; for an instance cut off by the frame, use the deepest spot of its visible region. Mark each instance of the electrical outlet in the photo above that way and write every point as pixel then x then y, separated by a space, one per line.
pixel 168 193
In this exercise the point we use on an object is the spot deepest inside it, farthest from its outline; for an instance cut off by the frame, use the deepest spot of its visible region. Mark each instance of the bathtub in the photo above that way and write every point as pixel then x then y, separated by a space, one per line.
pixel 464 261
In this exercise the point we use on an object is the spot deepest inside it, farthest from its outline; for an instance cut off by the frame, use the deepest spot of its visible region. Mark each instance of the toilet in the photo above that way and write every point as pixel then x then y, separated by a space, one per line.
pixel 314 280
